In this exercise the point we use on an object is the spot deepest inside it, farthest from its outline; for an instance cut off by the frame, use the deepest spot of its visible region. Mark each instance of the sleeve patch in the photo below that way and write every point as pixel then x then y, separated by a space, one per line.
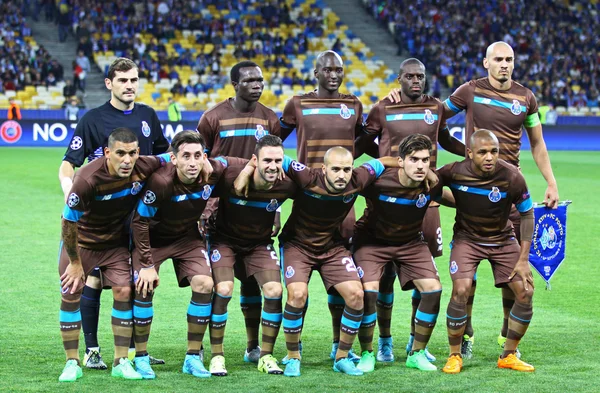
pixel 73 200
pixel 149 197
pixel 298 166
pixel 76 143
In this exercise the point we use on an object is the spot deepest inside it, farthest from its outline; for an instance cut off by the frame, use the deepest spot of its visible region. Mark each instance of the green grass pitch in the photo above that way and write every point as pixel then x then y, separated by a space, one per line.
pixel 562 341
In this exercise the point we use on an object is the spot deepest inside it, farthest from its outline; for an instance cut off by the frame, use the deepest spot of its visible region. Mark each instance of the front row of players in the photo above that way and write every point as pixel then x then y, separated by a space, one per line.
pixel 172 196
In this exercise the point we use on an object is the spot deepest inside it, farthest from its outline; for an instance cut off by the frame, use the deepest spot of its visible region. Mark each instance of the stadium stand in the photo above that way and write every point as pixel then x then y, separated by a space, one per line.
pixel 556 43
pixel 27 71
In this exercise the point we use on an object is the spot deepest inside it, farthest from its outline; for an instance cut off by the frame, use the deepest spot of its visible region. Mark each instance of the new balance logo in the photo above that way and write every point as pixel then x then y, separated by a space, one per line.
pixel 463 188
pixel 106 197
pixel 391 200
pixel 181 198
pixel 241 202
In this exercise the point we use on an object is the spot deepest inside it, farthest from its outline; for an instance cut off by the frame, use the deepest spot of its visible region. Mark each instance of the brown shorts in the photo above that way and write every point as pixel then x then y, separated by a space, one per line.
pixel 414 262
pixel 335 265
pixel 260 259
pixel 189 259
pixel 432 231
pixel 465 258
pixel 115 270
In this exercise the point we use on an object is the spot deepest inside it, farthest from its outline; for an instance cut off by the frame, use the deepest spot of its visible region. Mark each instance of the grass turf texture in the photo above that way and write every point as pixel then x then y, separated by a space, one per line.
pixel 561 342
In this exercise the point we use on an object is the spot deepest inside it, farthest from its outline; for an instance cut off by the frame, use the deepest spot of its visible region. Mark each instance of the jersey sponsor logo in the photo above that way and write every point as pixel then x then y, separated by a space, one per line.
pixel 149 198
pixel 421 201
pixel 136 188
pixel 453 267
pixel 463 188
pixel 272 206
pixel 495 195
pixel 391 199
pixel 76 143
pixel 515 108
pixel 11 131
pixel 398 116
pixel 428 118
pixel 106 197
pixel 361 272
pixel 345 112
pixel 206 192
pixel 260 132
pixel 298 166
pixel 241 202
pixel 215 256
pixel 181 197
pixel 145 129
pixel 289 272
pixel 73 200
pixel 348 198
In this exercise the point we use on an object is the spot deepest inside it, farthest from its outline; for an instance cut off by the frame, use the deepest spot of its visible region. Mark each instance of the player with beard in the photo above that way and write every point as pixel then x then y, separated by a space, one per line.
pixel 89 141
pixel 232 128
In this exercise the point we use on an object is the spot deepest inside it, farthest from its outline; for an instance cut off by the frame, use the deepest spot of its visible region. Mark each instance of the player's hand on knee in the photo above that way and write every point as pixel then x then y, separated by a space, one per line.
pixel 551 197
pixel 147 281
pixel 72 277
pixel 523 270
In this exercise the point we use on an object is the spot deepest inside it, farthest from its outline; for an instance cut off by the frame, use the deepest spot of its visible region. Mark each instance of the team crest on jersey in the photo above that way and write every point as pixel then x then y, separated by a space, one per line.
pixel 348 198
pixel 260 132
pixel 215 256
pixel 360 271
pixel 272 206
pixel 515 109
pixel 76 143
pixel 149 197
pixel 345 112
pixel 298 166
pixel 494 195
pixel 145 129
pixel 453 267
pixel 428 117
pixel 206 192
pixel 421 201
pixel 289 272
pixel 136 188
pixel 73 200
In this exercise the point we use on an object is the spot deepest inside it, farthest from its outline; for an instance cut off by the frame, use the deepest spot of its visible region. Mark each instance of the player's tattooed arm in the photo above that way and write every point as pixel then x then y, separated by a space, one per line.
pixel 73 275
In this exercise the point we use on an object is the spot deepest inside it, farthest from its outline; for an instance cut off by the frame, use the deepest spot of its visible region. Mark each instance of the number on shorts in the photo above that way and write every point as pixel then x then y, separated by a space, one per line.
pixel 207 261
pixel 439 236
pixel 273 254
pixel 349 263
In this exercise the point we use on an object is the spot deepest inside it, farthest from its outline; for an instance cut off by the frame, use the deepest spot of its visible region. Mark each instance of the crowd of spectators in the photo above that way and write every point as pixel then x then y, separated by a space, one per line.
pixel 22 65
pixel 556 44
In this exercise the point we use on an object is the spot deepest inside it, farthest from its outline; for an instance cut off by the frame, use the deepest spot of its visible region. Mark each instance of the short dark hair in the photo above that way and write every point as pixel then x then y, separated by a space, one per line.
pixel 187 136
pixel 410 61
pixel 268 140
pixel 234 74
pixel 122 64
pixel 121 134
pixel 412 143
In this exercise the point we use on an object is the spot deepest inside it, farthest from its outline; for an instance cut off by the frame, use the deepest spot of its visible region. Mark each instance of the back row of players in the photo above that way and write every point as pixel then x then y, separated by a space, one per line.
pixel 329 131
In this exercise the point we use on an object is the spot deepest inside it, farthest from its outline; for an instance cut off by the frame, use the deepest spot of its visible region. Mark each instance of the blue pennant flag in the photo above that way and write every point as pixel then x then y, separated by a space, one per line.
pixel 548 246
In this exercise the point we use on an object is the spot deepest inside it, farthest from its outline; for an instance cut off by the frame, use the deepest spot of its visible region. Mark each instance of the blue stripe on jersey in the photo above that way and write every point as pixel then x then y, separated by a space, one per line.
pixel 492 102
pixel 328 197
pixel 69 316
pixel 292 323
pixel 452 107
pixel 350 323
pixel 244 132
pixel 272 317
pixel 245 202
pixel 426 317
pixel 400 201
pixel 369 318
pixel 185 197
pixel 143 312
pixel 116 195
pixel 287 161
pixel 324 111
pixel 218 318
pixel 525 206
pixel 199 310
pixel 127 314
pixel 145 210
pixel 71 214
pixel 474 190
pixel 408 116
pixel 376 165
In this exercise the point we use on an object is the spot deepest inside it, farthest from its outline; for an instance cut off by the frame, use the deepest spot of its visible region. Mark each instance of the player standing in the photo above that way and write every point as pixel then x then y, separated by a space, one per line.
pixel 88 141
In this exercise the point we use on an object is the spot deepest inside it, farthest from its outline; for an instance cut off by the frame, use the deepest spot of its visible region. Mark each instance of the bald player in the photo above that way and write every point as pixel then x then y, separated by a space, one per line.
pixel 485 189
pixel 416 113
pixel 503 106
pixel 232 128
pixel 325 118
